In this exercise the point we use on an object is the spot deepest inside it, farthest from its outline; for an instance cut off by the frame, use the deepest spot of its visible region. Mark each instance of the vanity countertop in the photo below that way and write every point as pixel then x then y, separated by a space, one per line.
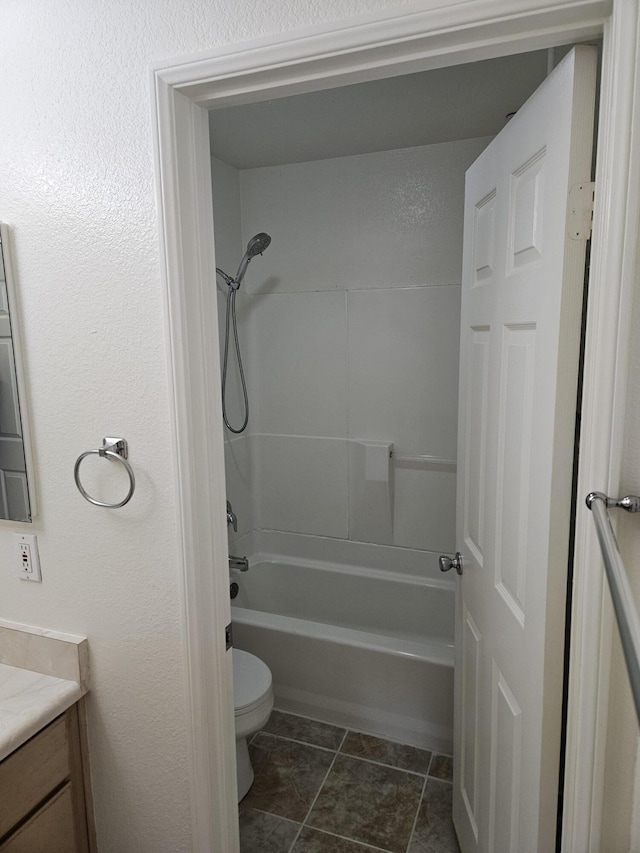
pixel 28 702
pixel 42 673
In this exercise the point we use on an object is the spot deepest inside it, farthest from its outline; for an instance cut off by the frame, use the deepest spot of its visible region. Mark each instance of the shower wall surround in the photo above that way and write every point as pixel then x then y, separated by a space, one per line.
pixel 350 332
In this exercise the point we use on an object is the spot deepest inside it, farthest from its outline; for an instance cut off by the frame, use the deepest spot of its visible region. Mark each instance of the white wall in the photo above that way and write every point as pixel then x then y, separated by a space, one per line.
pixel 228 223
pixel 622 770
pixel 225 182
pixel 350 332
pixel 77 186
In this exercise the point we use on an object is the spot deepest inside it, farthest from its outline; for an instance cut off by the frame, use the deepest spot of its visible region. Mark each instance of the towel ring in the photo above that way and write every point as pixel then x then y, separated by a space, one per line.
pixel 113 448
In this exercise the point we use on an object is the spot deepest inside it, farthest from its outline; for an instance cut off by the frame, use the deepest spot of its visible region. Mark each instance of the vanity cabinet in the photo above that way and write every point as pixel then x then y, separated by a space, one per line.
pixel 44 792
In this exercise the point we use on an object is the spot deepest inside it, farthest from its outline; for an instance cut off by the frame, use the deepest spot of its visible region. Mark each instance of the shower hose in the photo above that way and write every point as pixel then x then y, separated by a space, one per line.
pixel 231 314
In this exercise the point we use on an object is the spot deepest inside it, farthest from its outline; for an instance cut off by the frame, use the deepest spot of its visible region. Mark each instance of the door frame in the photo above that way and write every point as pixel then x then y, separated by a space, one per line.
pixel 430 34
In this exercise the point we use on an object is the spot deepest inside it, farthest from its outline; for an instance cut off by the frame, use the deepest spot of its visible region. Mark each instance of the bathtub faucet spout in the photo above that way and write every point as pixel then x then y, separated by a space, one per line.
pixel 241 564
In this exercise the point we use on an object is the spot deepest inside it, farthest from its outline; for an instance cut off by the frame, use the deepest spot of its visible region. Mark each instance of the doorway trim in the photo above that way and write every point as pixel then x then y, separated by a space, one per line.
pixel 382 44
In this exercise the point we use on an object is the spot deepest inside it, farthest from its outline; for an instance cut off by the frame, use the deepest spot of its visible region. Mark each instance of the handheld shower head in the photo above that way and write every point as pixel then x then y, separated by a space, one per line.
pixel 255 246
pixel 258 244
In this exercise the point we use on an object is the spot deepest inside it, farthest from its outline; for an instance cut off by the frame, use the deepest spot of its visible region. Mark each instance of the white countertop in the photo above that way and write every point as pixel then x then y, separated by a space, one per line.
pixel 28 702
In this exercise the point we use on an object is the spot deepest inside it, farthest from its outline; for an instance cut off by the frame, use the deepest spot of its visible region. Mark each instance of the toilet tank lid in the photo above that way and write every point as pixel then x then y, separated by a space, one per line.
pixel 251 679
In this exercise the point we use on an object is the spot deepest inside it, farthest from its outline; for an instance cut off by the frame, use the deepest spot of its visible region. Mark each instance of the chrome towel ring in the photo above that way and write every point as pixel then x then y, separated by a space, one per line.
pixel 112 448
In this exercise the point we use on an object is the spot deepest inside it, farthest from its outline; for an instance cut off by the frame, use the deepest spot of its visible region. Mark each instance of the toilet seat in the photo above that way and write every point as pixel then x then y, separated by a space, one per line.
pixel 251 682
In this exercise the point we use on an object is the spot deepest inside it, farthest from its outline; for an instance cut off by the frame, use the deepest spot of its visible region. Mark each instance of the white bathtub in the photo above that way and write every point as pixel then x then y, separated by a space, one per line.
pixel 370 647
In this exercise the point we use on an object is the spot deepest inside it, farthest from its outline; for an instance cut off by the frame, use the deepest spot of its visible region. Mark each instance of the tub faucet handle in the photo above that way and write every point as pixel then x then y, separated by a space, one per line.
pixel 447 563
pixel 232 519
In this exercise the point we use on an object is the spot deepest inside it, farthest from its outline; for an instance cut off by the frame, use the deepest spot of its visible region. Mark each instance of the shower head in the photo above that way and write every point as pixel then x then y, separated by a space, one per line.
pixel 255 246
pixel 258 244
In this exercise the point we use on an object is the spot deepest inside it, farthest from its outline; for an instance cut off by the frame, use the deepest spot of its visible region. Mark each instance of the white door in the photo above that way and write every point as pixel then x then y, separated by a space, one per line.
pixel 521 317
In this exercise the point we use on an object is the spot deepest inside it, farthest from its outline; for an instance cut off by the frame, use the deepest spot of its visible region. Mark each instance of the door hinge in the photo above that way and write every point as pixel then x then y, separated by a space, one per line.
pixel 580 210
pixel 228 636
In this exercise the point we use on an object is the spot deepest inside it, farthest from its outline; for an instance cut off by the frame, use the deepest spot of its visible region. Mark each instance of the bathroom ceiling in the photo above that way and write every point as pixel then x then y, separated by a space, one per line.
pixel 441 105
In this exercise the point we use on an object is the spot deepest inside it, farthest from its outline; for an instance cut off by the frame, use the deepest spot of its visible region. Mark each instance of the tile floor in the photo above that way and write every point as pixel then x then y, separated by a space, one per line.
pixel 323 789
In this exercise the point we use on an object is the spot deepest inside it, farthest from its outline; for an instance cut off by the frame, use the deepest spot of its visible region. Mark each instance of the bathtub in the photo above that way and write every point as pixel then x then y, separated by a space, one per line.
pixel 361 638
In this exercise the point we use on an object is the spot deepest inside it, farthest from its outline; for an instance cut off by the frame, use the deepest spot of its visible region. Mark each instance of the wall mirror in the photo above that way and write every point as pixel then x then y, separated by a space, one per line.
pixel 15 457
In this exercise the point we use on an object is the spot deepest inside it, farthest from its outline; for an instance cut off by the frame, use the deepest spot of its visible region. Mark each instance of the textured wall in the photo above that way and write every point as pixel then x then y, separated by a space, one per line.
pixel 622 770
pixel 77 186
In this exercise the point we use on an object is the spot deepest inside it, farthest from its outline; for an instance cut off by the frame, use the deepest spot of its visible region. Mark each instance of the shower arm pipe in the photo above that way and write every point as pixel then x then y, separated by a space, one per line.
pixel 230 282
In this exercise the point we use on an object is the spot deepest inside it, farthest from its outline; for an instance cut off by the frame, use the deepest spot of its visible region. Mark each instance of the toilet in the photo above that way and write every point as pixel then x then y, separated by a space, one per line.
pixel 253 702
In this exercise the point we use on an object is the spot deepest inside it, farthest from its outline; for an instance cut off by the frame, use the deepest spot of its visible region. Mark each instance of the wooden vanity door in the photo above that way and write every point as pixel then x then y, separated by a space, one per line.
pixel 44 792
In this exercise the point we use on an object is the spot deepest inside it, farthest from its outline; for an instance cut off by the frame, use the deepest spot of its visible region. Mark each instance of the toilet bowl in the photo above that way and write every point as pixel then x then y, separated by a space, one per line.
pixel 253 702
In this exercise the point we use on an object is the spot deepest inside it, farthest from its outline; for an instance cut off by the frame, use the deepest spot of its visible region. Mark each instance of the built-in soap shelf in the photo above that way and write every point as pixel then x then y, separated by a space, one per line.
pixel 371 486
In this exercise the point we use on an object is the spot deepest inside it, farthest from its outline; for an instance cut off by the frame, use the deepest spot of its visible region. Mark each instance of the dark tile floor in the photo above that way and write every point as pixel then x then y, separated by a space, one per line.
pixel 323 789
